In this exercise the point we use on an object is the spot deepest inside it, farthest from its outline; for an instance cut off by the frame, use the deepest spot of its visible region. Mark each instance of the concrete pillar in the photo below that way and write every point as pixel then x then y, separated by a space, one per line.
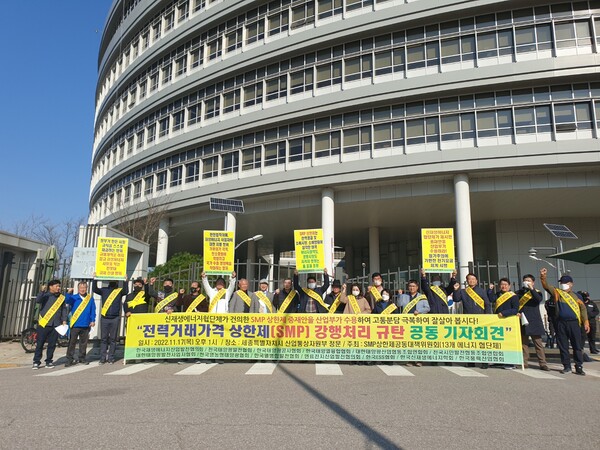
pixel 374 250
pixel 349 259
pixel 464 232
pixel 327 223
pixel 162 246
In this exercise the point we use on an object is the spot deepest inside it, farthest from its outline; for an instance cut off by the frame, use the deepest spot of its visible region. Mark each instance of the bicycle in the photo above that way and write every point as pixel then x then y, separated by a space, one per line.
pixel 29 340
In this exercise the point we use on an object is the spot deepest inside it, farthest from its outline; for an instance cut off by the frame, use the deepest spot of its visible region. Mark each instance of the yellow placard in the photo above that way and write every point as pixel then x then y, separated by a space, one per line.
pixel 219 249
pixel 438 249
pixel 375 337
pixel 111 258
pixel 310 251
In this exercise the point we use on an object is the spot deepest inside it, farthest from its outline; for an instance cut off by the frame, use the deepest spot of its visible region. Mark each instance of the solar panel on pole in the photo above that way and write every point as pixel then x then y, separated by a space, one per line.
pixel 227 205
pixel 560 231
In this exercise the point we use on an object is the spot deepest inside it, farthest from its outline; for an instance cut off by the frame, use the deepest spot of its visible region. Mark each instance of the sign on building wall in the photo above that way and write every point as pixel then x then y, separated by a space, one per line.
pixel 111 258
pixel 83 264
pixel 219 249
pixel 310 252
pixel 438 249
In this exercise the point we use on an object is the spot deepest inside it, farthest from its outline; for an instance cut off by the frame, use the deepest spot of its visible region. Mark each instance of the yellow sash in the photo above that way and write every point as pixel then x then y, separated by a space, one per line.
pixel 390 309
pixel 354 304
pixel 244 296
pixel 571 302
pixel 441 294
pixel 312 294
pixel 502 300
pixel 218 296
pixel 139 299
pixel 375 293
pixel 475 297
pixel 166 301
pixel 265 300
pixel 43 321
pixel 410 305
pixel 109 301
pixel 195 303
pixel 523 300
pixel 335 304
pixel 80 309
pixel 287 301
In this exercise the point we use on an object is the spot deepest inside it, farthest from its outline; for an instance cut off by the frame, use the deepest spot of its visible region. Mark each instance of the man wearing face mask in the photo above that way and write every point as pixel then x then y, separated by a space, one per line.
pixel 286 300
pixel 194 301
pixel 167 298
pixel 243 301
pixel 413 302
pixel 334 298
pixel 311 297
pixel 373 294
pixel 137 301
pixel 529 306
pixel 264 297
pixel 571 315
pixel 437 295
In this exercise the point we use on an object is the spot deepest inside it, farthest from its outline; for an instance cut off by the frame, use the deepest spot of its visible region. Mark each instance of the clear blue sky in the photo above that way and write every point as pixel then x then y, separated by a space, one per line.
pixel 47 82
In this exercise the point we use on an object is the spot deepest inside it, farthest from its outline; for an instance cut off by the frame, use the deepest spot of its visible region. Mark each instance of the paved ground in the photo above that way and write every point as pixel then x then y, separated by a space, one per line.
pixel 293 405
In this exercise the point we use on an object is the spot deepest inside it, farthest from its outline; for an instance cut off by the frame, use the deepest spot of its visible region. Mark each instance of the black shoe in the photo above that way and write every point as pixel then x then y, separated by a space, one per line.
pixel 470 364
pixel 50 365
pixel 566 370
pixel 579 371
pixel 111 361
pixel 70 363
pixel 594 352
pixel 484 366
pixel 35 366
pixel 86 363
pixel 545 368
pixel 102 361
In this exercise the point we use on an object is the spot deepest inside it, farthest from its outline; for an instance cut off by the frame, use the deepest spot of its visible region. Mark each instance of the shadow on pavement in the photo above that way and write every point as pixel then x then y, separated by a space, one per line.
pixel 372 435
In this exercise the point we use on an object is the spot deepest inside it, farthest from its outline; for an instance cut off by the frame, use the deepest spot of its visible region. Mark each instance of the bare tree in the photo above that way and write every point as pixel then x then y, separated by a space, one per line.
pixel 60 234
pixel 142 219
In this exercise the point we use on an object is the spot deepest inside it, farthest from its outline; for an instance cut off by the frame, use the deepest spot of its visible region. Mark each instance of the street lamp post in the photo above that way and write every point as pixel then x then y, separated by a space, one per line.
pixel 249 270
pixel 533 255
pixel 258 237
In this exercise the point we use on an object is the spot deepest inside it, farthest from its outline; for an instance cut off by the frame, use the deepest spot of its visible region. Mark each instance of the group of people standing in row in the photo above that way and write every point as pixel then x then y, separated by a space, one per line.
pixel 568 312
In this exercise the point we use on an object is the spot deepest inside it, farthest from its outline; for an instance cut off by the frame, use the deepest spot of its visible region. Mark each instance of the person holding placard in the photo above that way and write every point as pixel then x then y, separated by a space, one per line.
pixel 53 313
pixel 219 296
pixel 529 307
pixel 286 300
pixel 264 297
pixel 355 302
pixel 110 317
pixel 242 300
pixel 83 308
pixel 437 295
pixel 311 297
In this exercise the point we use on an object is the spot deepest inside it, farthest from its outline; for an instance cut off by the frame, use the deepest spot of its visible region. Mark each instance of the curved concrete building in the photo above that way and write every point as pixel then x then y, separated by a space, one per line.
pixel 368 118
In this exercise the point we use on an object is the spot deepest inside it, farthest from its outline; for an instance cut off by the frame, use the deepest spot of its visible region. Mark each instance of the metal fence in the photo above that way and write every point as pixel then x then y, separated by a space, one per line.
pixel 20 286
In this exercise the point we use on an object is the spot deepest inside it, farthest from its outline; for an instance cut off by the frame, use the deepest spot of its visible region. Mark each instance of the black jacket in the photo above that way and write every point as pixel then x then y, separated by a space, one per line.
pixel 436 304
pixel 46 300
pixel 531 309
pixel 278 300
pixel 104 292
pixel 304 297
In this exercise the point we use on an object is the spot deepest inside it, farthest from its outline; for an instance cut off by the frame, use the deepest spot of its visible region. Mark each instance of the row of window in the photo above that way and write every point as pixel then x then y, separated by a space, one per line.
pixel 363 135
pixel 319 73
pixel 275 18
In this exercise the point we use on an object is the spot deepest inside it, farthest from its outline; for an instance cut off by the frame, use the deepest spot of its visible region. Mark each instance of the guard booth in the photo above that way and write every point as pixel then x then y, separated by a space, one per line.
pixel 83 266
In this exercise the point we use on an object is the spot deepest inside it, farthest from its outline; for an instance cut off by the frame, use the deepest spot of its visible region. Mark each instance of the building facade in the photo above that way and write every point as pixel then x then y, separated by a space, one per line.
pixel 368 118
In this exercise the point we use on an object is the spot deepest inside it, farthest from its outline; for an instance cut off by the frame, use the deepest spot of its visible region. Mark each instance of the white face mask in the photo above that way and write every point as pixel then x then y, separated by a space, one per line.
pixel 437 283
pixel 355 292
pixel 377 282
pixel 526 284
pixel 385 297
pixel 564 287
pixel 312 285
